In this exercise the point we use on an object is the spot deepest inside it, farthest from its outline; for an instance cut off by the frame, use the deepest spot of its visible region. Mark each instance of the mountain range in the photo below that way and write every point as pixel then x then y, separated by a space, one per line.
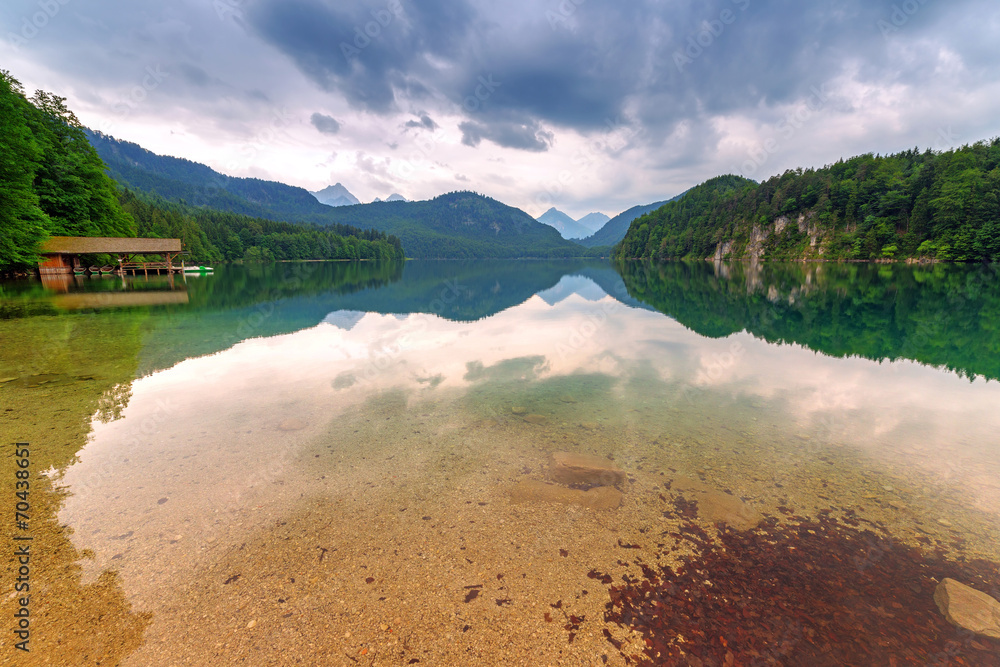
pixel 570 228
pixel 336 195
pixel 455 225
pixel 461 224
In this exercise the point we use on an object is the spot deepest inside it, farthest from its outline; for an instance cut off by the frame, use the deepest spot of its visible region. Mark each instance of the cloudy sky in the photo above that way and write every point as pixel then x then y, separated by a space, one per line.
pixel 588 105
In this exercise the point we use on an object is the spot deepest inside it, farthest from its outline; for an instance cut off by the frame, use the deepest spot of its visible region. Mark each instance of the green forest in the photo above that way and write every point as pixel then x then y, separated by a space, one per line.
pixel 53 183
pixel 922 205
pixel 51 180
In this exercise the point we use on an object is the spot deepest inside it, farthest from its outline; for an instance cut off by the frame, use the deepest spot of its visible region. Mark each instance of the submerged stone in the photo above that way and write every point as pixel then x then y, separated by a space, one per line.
pixel 518 410
pixel 968 608
pixel 538 420
pixel 573 468
pixel 598 498
pixel 715 506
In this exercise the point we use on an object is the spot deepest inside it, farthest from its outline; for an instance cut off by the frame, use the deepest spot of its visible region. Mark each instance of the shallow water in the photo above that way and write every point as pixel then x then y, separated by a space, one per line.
pixel 320 463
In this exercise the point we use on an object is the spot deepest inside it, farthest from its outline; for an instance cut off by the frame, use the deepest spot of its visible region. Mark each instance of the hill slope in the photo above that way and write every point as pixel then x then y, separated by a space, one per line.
pixel 943 206
pixel 593 221
pixel 614 229
pixel 177 179
pixel 460 224
pixel 452 226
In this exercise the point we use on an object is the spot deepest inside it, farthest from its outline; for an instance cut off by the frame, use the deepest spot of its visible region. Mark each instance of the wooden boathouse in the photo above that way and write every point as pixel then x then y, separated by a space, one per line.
pixel 61 254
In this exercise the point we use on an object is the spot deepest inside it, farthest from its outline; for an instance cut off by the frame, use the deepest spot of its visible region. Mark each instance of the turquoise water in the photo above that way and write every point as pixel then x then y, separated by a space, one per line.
pixel 230 458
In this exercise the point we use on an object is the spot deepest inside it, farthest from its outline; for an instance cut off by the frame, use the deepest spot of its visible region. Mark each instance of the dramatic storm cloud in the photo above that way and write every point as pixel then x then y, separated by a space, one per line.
pixel 582 104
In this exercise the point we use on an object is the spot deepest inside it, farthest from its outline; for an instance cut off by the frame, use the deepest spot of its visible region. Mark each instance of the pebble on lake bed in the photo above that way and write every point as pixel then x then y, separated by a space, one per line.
pixel 968 608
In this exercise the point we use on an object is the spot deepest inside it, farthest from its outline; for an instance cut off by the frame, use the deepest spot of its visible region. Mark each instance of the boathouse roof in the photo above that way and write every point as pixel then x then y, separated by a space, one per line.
pixel 86 245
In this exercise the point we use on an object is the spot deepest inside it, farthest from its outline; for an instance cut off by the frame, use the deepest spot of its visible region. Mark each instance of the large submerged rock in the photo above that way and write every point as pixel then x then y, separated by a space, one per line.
pixel 968 608
pixel 573 468
pixel 714 505
pixel 598 498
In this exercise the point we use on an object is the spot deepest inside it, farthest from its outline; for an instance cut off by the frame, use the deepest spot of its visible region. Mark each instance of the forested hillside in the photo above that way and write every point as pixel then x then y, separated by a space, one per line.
pixel 928 205
pixel 456 225
pixel 179 180
pixel 212 236
pixel 614 230
pixel 461 225
pixel 51 180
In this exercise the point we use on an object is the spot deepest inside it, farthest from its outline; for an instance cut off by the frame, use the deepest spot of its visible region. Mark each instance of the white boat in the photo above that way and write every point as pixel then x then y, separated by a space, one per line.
pixel 198 269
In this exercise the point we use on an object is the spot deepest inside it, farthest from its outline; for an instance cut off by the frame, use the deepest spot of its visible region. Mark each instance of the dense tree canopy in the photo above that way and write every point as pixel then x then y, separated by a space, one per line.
pixel 51 179
pixel 22 223
pixel 934 205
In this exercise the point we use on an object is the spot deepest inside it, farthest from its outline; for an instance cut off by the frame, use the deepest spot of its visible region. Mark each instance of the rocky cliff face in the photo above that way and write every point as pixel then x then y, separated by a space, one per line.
pixel 759 240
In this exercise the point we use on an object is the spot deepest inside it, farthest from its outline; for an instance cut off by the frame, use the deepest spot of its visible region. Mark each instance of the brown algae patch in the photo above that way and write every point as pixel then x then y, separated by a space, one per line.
pixel 824 592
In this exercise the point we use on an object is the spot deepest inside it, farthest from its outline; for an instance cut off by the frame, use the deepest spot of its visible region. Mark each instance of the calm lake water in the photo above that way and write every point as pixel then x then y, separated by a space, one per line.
pixel 334 463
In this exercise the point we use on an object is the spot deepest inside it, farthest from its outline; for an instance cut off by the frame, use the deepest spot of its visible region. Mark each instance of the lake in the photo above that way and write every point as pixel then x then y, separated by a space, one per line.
pixel 476 463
